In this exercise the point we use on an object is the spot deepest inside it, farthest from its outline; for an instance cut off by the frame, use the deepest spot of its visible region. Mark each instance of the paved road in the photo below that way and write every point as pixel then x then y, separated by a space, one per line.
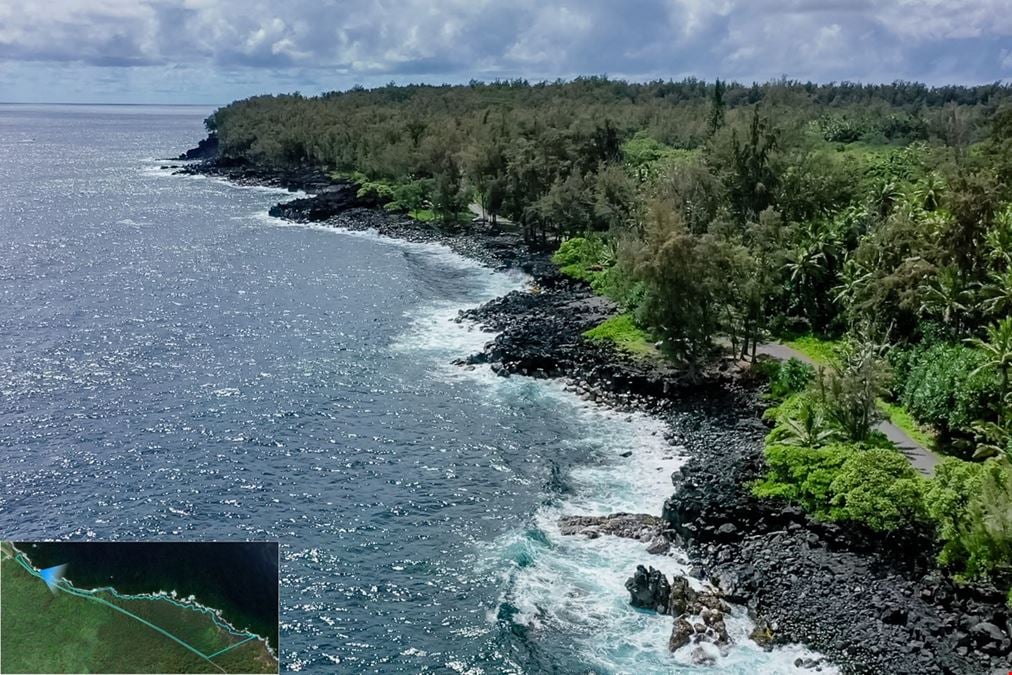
pixel 921 458
pixel 475 208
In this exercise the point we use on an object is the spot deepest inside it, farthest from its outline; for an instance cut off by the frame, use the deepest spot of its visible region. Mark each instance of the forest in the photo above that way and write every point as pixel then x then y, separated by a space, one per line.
pixel 870 226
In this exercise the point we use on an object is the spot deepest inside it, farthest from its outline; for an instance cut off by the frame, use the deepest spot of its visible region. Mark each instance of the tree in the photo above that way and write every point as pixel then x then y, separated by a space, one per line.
pixel 568 206
pixel 998 351
pixel 997 292
pixel 448 199
pixel 812 268
pixel 685 282
pixel 717 108
pixel 752 181
pixel 615 200
pixel 851 389
pixel 494 196
pixel 948 299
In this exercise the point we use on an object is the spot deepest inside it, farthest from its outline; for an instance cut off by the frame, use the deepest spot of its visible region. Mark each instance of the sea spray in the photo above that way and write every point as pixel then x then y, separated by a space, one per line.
pixel 570 590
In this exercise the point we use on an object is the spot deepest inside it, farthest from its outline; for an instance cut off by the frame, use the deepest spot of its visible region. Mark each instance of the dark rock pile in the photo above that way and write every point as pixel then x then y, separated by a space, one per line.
pixel 306 178
pixel 327 203
pixel 206 149
pixel 540 334
pixel 699 614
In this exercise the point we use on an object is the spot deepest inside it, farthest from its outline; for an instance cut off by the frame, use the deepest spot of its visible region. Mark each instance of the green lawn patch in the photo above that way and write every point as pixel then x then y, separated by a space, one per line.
pixel 821 350
pixel 423 215
pixel 623 332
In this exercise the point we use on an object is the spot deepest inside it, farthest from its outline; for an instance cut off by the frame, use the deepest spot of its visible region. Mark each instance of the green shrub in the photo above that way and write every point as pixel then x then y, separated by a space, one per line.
pixel 792 377
pixel 946 390
pixel 379 190
pixel 901 361
pixel 765 368
pixel 846 482
pixel 850 388
pixel 803 475
pixel 879 488
pixel 411 196
pixel 582 258
pixel 971 504
pixel 790 408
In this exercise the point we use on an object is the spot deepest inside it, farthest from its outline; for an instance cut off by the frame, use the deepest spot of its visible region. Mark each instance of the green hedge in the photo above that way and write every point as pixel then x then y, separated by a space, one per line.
pixel 942 389
pixel 846 482
pixel 971 503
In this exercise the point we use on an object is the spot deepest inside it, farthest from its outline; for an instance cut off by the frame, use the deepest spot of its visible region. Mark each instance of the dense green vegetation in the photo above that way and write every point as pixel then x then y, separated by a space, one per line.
pixel 869 226
pixel 622 331
pixel 825 458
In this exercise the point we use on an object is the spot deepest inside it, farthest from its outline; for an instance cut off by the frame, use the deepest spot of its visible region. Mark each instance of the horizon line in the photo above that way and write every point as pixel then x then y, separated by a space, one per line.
pixel 84 103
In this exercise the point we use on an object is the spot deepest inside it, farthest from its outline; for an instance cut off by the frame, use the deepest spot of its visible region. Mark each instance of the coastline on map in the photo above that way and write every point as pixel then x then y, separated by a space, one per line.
pixel 114 631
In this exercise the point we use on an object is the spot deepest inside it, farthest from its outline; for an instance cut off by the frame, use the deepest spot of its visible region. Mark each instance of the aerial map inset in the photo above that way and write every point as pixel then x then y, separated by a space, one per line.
pixel 130 607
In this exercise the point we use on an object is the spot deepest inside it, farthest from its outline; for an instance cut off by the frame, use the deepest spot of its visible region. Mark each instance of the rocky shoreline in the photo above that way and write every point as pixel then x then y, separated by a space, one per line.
pixel 870 604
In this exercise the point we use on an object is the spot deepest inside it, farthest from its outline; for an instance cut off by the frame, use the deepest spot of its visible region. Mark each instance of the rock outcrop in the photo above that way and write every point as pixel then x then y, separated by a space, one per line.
pixel 698 614
pixel 205 150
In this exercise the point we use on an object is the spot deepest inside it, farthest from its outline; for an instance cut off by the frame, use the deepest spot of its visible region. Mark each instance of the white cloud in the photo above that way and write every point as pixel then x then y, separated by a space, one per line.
pixel 966 40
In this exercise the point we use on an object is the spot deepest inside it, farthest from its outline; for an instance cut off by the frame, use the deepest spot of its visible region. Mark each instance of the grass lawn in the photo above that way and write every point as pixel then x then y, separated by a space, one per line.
pixel 820 350
pixel 626 336
pixel 423 215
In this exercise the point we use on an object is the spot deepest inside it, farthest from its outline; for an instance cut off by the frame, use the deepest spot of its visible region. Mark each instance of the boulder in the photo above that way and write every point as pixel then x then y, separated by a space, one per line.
pixel 989 638
pixel 206 149
pixel 649 589
pixel 680 634
pixel 681 597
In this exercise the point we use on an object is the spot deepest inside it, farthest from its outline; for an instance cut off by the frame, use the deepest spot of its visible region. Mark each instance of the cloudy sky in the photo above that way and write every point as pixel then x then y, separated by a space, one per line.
pixel 212 51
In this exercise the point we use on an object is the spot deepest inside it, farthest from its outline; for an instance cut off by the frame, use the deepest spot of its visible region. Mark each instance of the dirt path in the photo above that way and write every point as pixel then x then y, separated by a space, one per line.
pixel 921 458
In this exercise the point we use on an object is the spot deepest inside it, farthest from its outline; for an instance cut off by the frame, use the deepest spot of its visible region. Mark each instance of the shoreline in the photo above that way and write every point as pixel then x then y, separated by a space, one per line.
pixel 834 589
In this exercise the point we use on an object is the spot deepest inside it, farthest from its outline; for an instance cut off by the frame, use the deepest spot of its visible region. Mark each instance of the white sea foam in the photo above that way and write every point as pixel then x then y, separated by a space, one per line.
pixel 572 584
pixel 156 170
pixel 576 585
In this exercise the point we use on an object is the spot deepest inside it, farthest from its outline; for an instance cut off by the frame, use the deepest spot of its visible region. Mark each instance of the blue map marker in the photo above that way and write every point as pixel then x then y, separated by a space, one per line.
pixel 52 576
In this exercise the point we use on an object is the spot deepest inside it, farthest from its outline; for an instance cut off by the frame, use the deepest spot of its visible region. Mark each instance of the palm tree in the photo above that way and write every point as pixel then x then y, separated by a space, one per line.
pixel 928 193
pixel 948 298
pixel 884 196
pixel 853 281
pixel 992 439
pixel 809 428
pixel 999 238
pixel 997 349
pixel 812 262
pixel 998 293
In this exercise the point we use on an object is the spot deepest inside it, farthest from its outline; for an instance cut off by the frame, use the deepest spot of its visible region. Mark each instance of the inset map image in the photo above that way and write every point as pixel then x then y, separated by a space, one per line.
pixel 138 607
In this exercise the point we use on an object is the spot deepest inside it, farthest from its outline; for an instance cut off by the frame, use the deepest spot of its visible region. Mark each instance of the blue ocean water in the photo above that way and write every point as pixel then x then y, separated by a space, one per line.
pixel 175 364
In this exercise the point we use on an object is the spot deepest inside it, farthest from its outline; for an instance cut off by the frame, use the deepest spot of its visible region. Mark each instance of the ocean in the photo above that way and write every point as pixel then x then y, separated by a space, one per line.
pixel 177 365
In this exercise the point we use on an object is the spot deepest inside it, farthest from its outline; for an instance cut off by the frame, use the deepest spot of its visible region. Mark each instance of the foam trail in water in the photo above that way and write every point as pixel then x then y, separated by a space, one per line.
pixel 570 585
pixel 170 171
